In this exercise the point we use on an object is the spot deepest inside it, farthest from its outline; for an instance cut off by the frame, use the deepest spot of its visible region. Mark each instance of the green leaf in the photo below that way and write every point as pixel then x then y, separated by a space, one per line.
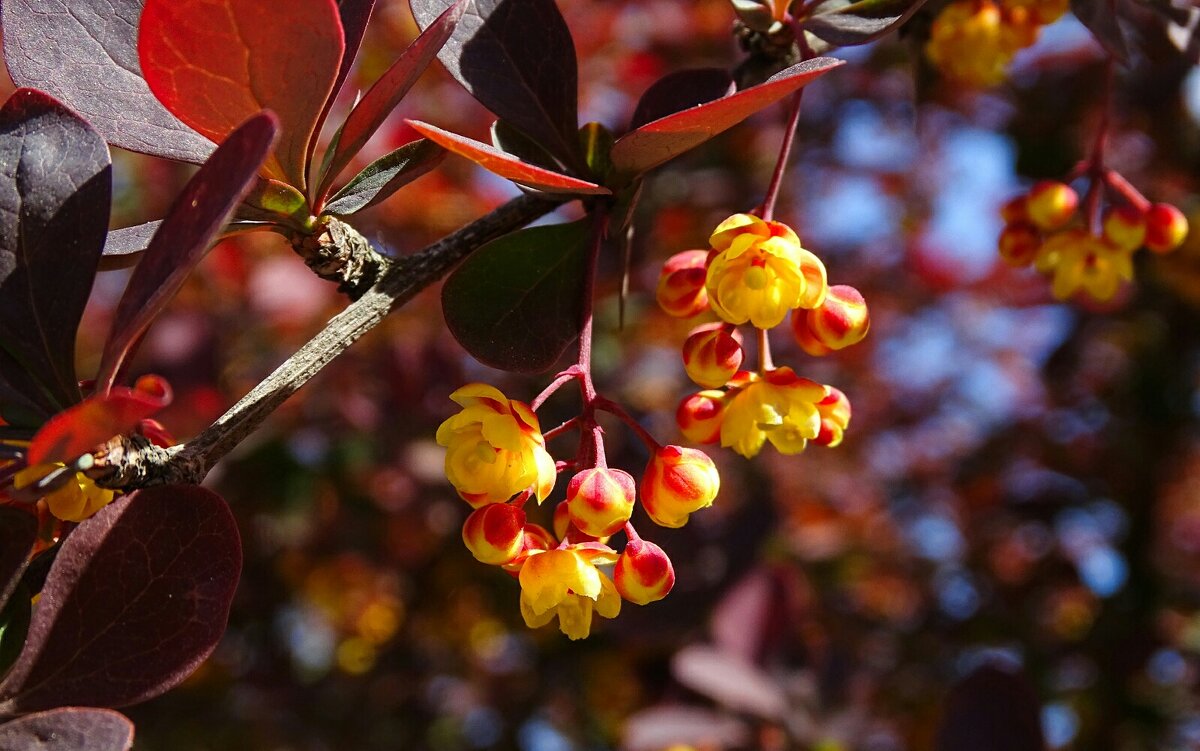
pixel 384 176
pixel 845 23
pixel 517 303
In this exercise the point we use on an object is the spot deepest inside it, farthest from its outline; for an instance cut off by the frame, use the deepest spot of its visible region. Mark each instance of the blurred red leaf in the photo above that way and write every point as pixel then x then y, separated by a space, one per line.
pixel 185 236
pixel 729 680
pixel 97 418
pixel 216 63
pixel 666 138
pixel 137 597
pixel 663 727
pixel 68 729
pixel 506 165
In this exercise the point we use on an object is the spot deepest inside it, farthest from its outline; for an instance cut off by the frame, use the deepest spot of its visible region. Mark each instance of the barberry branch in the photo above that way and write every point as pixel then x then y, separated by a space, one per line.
pixel 130 462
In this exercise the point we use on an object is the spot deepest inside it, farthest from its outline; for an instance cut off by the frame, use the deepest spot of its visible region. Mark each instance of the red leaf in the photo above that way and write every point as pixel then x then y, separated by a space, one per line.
pixel 137 597
pixel 666 138
pixel 97 418
pixel 68 729
pixel 506 165
pixel 382 98
pixel 185 236
pixel 215 63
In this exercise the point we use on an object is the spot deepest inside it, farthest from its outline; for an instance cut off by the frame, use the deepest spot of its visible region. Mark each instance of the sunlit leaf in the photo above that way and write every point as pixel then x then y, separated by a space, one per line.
pixel 68 729
pixel 379 101
pixel 679 91
pixel 137 597
pixel 384 176
pixel 505 165
pixel 84 52
pixel 354 15
pixel 844 23
pixel 516 303
pixel 666 138
pixel 518 59
pixel 97 418
pixel 55 189
pixel 216 63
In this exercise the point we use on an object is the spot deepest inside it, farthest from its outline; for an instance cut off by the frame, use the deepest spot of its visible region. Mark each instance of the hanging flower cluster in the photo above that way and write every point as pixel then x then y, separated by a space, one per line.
pixel 758 272
pixel 496 458
pixel 1090 254
pixel 973 41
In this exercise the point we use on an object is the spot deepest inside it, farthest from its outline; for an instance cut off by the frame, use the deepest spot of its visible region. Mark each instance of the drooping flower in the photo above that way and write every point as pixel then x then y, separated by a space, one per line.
pixel 565 582
pixel 495 534
pixel 712 354
pixel 760 272
pixel 1080 260
pixel 680 289
pixel 494 448
pixel 75 500
pixel 678 482
pixel 779 407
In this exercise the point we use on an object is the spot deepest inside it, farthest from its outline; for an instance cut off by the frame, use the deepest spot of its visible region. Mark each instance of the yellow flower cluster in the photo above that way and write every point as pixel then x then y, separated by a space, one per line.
pixel 973 41
pixel 757 272
pixel 1040 230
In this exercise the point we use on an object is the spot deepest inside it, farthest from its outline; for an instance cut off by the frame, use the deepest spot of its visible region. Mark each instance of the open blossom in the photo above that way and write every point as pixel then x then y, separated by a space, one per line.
pixel 565 582
pixel 1080 260
pixel 77 499
pixel 494 448
pixel 760 272
pixel 779 407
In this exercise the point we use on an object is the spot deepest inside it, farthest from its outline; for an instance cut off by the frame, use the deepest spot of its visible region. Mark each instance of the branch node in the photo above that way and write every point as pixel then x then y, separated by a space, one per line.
pixel 337 252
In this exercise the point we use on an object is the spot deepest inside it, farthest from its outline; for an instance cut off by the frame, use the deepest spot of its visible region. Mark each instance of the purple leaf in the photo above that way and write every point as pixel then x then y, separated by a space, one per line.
pixel 1102 19
pixel 68 729
pixel 185 236
pixel 18 532
pixel 666 138
pixel 55 190
pixel 679 91
pixel 85 53
pixel 518 59
pixel 137 598
pixel 123 246
pixel 845 23
pixel 516 303
pixel 354 15
pixel 379 101
pixel 729 680
pixel 992 709
pixel 384 176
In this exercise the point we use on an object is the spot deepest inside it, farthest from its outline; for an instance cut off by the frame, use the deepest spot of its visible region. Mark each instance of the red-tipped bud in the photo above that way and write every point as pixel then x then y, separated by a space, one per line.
pixel 644 573
pixel 699 416
pixel 677 482
pixel 1019 244
pixel 1051 204
pixel 1014 211
pixel 804 336
pixel 835 417
pixel 712 354
pixel 1166 228
pixel 495 534
pixel 841 321
pixel 1125 227
pixel 600 500
pixel 681 290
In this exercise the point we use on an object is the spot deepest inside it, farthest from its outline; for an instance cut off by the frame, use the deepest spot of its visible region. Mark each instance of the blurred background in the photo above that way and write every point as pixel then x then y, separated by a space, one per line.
pixel 1019 487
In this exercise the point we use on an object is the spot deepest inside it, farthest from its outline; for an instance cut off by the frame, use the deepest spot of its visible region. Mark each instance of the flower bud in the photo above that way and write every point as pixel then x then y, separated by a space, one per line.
pixel 841 320
pixel 1051 204
pixel 835 417
pixel 1019 244
pixel 699 416
pixel 677 482
pixel 1166 228
pixel 495 534
pixel 1125 227
pixel 681 290
pixel 805 337
pixel 643 573
pixel 600 500
pixel 712 354
pixel 1015 210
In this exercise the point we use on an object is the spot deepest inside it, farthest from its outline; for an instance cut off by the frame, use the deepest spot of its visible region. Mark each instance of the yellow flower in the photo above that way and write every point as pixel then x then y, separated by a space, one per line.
pixel 779 407
pixel 973 42
pixel 1080 260
pixel 566 583
pixel 494 448
pixel 760 272
pixel 75 500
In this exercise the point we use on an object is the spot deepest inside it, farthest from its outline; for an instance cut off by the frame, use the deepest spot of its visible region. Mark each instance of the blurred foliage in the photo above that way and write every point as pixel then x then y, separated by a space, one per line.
pixel 1020 482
